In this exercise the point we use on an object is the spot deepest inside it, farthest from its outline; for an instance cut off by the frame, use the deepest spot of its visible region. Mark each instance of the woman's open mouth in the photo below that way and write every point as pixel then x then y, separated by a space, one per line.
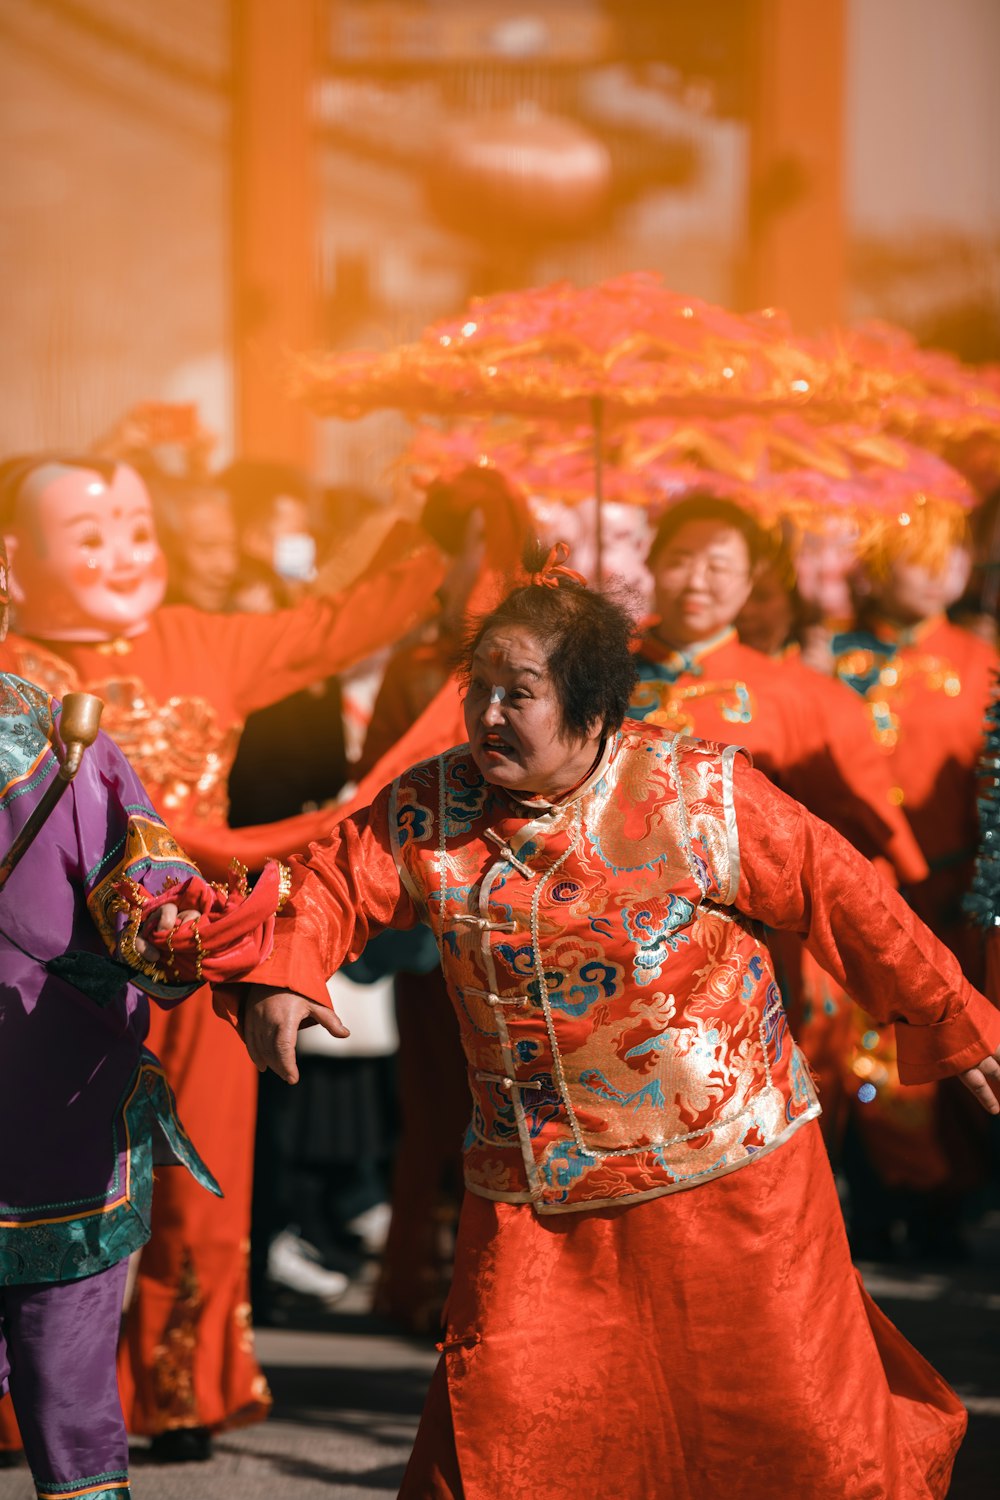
pixel 493 746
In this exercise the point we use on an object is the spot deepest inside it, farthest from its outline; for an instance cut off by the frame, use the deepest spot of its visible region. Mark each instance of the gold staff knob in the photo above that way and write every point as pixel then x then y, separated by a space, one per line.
pixel 78 726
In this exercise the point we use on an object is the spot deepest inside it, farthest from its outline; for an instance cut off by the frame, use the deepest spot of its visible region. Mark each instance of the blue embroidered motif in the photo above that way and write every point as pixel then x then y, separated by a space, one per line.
pixel 414 823
pixel 652 929
pixel 598 984
pixel 595 1082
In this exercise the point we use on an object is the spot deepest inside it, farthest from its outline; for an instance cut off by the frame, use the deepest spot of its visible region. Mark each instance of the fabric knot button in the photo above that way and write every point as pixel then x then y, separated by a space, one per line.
pixel 461 1341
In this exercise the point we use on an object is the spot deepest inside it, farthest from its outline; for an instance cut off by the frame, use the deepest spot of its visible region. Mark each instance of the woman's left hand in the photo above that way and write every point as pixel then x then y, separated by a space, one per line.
pixel 984 1082
pixel 157 926
pixel 270 1023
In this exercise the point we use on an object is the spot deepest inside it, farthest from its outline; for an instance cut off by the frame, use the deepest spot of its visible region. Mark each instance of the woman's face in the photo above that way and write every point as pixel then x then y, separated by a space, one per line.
pixel 912 592
pixel 514 719
pixel 207 551
pixel 702 579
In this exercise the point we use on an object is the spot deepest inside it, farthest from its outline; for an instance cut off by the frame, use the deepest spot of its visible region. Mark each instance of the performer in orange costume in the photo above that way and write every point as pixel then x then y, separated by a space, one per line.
pixel 695 676
pixel 926 685
pixel 650 1221
pixel 802 730
pixel 88 577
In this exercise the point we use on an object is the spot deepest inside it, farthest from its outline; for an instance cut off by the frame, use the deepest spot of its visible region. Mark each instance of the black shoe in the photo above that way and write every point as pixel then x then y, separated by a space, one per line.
pixel 181 1445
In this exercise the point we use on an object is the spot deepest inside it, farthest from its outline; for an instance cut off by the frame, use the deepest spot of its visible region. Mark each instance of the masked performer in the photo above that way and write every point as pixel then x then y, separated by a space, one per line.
pixel 85 1109
pixel 650 1218
pixel 87 577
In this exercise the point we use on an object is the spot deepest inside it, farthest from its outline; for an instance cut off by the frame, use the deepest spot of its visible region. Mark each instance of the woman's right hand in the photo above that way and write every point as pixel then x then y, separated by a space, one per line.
pixel 270 1021
pixel 984 1082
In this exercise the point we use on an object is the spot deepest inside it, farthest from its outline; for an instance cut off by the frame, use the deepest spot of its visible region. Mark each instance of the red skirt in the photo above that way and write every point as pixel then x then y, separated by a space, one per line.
pixel 187 1357
pixel 712 1342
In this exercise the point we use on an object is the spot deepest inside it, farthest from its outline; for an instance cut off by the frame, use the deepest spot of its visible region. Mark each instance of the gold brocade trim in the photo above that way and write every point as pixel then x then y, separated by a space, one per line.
pixel 623 1200
pixel 883 697
pixel 35 664
pixel 173 1361
pixel 736 702
pixel 127 941
pixel 146 840
pixel 284 883
pixel 178 747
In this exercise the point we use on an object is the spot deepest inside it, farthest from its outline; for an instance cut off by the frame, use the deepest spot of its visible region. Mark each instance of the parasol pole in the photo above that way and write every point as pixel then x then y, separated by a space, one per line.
pixel 597 418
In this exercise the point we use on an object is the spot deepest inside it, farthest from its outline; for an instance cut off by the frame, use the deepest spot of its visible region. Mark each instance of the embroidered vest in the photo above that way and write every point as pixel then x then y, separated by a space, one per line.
pixel 623 1029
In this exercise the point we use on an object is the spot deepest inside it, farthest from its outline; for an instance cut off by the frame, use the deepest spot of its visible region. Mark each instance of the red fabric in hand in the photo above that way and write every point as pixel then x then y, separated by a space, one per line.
pixel 232 932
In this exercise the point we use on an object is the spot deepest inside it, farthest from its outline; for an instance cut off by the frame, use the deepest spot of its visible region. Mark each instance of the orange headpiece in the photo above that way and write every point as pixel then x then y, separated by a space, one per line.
pixel 554 571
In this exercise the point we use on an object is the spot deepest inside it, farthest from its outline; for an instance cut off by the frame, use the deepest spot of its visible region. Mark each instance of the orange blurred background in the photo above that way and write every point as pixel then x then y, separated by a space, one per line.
pixel 195 187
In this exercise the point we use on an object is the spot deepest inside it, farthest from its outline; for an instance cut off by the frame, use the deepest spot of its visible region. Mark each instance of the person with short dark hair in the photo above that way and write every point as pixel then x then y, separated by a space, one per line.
pixel 701 506
pixel 695 675
pixel 651 1242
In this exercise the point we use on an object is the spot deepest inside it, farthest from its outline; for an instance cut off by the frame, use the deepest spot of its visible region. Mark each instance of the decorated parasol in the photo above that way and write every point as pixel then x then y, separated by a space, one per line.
pixel 603 360
pixel 628 344
pixel 621 350
pixel 784 469
pixel 928 396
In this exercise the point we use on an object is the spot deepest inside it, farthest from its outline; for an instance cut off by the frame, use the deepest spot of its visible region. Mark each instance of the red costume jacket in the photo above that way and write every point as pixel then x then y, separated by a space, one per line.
pixel 800 729
pixel 624 1034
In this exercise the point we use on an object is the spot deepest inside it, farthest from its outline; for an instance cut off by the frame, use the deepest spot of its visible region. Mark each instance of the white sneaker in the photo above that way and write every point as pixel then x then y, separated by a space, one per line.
pixel 372 1227
pixel 293 1263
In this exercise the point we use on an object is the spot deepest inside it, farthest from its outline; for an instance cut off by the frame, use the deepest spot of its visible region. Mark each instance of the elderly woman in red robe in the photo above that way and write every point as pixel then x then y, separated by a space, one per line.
pixel 653 1293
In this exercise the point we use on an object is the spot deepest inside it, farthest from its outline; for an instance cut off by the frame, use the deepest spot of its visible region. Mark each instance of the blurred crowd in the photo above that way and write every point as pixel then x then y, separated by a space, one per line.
pixel 857 669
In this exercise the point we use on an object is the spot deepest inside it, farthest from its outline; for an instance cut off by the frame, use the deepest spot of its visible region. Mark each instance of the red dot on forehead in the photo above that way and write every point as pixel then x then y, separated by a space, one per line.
pixel 496 655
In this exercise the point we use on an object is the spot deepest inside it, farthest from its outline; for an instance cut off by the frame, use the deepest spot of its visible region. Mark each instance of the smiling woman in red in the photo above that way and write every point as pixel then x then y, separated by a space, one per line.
pixel 653 1293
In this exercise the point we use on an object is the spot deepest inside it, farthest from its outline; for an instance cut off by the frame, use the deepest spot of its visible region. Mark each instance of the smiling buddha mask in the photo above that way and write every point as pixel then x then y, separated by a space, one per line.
pixel 85 563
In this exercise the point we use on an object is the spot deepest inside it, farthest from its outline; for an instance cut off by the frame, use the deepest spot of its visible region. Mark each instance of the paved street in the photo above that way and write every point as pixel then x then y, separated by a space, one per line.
pixel 348 1395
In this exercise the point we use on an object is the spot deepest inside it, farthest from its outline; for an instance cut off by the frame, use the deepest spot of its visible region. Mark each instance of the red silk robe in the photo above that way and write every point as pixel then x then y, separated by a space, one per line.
pixel 619 1236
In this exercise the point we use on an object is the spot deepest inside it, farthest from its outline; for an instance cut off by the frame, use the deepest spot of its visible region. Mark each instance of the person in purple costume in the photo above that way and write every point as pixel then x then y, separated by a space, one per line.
pixel 85 1111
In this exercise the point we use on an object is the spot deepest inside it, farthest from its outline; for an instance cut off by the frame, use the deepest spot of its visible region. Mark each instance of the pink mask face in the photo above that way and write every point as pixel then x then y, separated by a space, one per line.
pixel 85 561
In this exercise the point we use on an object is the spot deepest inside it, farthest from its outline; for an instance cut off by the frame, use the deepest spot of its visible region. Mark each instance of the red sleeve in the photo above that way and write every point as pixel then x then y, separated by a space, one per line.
pixel 267 657
pixel 842 774
pixel 344 891
pixel 798 873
